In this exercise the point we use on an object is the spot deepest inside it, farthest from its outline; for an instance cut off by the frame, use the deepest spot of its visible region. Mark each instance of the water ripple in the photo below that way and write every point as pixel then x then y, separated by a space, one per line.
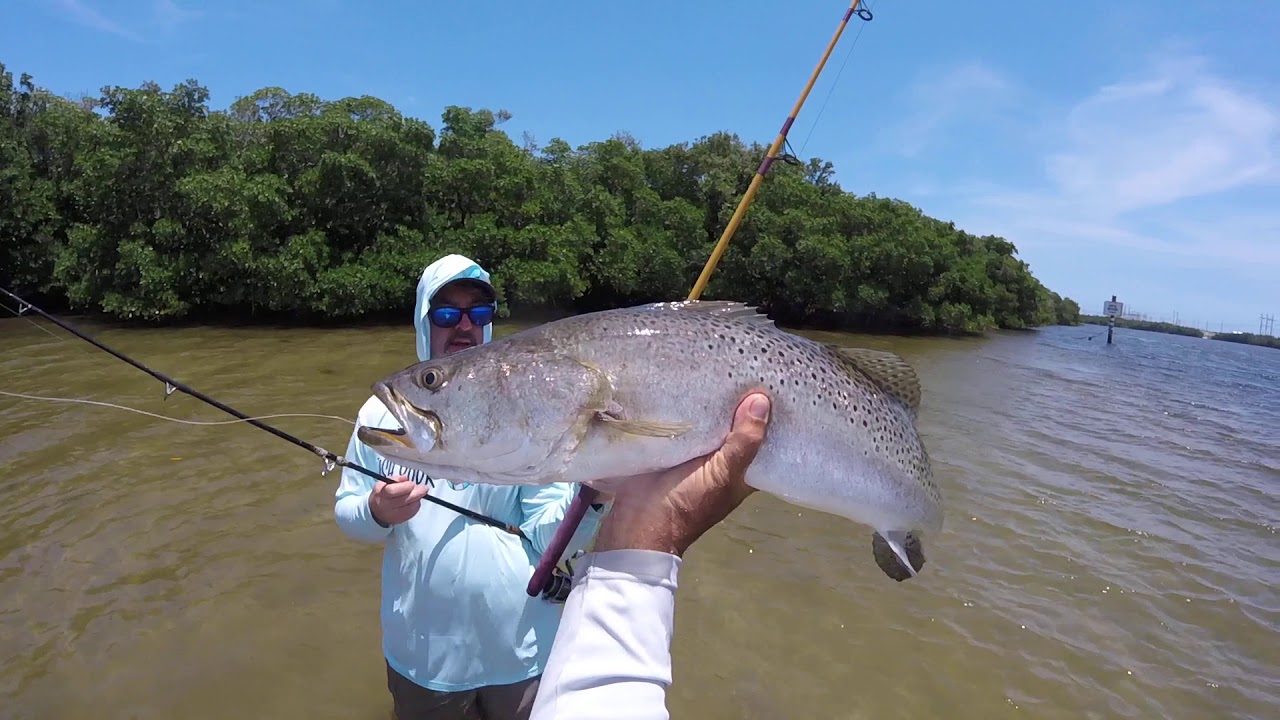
pixel 1109 551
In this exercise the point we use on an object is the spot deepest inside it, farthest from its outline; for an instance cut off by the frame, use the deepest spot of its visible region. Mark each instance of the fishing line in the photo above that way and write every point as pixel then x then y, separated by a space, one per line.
pixel 166 417
pixel 836 82
pixel 171 385
pixel 33 323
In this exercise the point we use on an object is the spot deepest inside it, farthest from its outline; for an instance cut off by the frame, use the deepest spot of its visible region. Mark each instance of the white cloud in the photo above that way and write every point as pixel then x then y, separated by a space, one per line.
pixel 91 17
pixel 1157 184
pixel 157 17
pixel 168 15
pixel 1180 132
pixel 967 90
pixel 1176 160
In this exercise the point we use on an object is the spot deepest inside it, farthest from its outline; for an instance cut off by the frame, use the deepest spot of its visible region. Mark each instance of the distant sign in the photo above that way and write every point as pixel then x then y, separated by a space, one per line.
pixel 1112 307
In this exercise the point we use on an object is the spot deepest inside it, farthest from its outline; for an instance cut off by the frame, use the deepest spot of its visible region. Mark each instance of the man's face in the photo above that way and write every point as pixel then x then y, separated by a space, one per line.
pixel 465 334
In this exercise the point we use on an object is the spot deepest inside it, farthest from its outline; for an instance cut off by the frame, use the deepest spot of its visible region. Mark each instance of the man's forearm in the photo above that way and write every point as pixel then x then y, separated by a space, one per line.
pixel 356 518
pixel 612 654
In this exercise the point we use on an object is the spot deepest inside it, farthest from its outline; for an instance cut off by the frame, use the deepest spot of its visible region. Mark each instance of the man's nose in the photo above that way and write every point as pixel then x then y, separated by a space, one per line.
pixel 465 323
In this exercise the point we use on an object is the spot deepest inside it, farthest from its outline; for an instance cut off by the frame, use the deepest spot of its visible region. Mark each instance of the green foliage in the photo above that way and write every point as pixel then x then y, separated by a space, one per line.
pixel 1148 325
pixel 144 203
pixel 1270 341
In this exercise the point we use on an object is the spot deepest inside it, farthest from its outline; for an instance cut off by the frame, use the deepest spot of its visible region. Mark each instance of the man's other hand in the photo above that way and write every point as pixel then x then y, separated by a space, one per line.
pixel 396 502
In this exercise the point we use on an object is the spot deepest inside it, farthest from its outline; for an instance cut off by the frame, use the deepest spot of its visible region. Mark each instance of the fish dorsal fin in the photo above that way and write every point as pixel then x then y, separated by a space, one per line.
pixel 729 309
pixel 888 371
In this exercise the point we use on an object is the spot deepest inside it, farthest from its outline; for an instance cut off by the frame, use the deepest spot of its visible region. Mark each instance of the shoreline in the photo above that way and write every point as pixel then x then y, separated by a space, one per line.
pixel 525 316
pixel 1238 338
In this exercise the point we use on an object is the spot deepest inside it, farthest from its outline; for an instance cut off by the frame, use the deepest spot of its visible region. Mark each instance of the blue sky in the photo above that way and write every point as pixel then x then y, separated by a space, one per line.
pixel 1129 148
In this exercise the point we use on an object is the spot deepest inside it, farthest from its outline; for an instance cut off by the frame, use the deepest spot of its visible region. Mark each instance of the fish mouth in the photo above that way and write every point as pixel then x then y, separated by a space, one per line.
pixel 383 437
pixel 403 411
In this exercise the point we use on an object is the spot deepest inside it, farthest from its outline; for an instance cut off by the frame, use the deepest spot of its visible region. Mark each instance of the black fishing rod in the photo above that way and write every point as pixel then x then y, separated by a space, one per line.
pixel 330 459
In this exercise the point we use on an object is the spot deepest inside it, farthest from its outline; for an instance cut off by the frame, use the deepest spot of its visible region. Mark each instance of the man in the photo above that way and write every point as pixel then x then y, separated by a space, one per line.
pixel 460 636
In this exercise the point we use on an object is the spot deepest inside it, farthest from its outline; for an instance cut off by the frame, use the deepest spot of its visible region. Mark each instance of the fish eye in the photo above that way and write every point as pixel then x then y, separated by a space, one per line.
pixel 432 378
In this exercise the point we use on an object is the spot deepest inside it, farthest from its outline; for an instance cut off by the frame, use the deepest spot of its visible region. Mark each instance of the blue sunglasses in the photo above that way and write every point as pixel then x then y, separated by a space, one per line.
pixel 447 317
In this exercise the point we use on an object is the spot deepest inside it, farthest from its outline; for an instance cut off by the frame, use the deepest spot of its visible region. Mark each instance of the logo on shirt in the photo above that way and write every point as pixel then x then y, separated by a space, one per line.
pixel 390 469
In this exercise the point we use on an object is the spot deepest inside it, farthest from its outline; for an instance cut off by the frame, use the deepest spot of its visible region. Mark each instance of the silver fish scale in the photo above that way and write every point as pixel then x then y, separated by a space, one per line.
pixel 753 352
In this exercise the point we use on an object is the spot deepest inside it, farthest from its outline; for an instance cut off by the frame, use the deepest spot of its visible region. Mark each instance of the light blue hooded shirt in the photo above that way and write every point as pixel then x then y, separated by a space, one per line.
pixel 455 615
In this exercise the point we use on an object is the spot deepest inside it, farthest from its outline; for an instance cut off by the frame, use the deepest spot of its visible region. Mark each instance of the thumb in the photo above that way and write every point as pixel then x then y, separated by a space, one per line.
pixel 750 426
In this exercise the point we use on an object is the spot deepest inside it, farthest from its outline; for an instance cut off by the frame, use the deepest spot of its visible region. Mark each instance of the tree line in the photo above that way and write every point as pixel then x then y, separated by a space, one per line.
pixel 1167 328
pixel 1173 329
pixel 1248 338
pixel 144 203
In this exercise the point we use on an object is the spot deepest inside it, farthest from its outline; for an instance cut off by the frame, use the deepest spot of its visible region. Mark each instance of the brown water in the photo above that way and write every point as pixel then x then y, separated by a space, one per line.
pixel 1110 549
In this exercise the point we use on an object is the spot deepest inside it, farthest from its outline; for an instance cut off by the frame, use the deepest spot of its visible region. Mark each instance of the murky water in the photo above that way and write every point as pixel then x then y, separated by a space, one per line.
pixel 1110 552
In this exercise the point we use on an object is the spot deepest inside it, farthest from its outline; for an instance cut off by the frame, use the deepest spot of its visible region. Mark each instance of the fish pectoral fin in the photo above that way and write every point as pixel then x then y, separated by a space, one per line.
pixel 898 553
pixel 888 371
pixel 605 485
pixel 645 428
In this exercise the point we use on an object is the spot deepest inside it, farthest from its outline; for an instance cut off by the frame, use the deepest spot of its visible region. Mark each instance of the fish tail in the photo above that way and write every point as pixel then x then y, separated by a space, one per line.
pixel 898 553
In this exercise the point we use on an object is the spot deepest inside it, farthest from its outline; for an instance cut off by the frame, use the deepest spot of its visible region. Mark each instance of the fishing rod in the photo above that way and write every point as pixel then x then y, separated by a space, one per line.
pixel 772 154
pixel 331 460
pixel 587 496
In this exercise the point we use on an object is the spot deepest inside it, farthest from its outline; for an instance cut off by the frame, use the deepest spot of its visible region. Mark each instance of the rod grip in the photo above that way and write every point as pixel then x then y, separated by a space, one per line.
pixel 559 541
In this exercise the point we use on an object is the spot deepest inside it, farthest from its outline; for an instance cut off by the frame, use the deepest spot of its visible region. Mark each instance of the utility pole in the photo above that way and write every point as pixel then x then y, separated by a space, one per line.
pixel 1266 324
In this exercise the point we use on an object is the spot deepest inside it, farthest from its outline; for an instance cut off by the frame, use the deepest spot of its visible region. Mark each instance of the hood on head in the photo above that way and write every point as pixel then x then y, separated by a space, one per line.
pixel 435 276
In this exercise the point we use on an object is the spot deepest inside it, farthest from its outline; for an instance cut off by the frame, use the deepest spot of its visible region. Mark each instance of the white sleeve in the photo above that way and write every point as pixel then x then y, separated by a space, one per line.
pixel 612 654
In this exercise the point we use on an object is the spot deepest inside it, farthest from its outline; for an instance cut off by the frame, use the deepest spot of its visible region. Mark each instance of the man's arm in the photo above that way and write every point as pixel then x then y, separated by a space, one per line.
pixel 351 508
pixel 543 507
pixel 612 653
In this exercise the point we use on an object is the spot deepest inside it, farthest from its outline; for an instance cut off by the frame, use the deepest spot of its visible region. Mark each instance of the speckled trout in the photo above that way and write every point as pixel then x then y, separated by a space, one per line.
pixel 606 395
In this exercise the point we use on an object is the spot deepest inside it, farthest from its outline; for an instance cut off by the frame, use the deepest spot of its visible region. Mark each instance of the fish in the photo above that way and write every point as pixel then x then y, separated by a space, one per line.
pixel 598 397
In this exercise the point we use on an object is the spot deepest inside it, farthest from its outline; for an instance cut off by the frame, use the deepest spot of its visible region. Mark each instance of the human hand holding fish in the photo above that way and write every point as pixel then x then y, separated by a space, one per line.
pixel 668 511
pixel 394 503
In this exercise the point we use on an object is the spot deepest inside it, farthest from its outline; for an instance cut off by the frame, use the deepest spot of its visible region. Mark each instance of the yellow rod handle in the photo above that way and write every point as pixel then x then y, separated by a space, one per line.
pixel 747 197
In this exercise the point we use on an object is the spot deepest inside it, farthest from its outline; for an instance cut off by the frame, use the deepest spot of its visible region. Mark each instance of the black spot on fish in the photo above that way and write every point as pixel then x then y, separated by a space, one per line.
pixel 888 560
